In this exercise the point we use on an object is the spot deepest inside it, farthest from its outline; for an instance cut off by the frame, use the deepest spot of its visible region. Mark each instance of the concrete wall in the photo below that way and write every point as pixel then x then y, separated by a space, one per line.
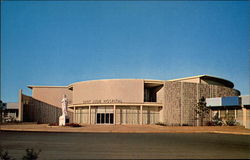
pixel 40 112
pixel 248 117
pixel 245 100
pixel 213 102
pixel 160 95
pixel 124 90
pixel 51 95
pixel 182 97
pixel 11 105
pixel 239 116
pixel 160 99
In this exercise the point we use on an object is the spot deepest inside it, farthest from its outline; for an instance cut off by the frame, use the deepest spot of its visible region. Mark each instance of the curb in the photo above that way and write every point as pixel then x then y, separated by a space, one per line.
pixel 111 131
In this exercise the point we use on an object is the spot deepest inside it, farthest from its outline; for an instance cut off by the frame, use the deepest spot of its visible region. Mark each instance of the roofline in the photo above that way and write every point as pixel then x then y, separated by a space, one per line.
pixel 145 80
pixel 247 95
pixel 154 82
pixel 31 86
pixel 229 83
pixel 177 79
pixel 71 84
pixel 203 76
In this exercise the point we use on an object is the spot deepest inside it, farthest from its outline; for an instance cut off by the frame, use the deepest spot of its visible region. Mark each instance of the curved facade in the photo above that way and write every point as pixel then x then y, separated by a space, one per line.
pixel 125 90
pixel 136 101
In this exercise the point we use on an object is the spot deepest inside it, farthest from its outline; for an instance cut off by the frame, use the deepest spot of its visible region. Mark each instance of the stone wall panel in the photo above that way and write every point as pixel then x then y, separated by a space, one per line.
pixel 189 100
pixel 182 97
pixel 172 104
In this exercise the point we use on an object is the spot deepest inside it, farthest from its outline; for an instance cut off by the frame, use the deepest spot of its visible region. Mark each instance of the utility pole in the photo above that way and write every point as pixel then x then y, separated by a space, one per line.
pixel 1 111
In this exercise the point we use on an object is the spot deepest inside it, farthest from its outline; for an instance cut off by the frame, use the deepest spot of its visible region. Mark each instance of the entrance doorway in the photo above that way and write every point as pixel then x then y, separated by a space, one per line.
pixel 105 118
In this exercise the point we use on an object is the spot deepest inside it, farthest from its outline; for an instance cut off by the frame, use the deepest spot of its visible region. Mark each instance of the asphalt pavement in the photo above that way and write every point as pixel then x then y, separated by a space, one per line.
pixel 127 145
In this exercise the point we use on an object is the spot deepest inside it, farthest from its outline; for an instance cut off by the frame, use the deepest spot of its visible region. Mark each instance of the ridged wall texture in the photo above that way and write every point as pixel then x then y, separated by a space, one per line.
pixel 40 112
pixel 182 97
pixel 172 103
pixel 189 100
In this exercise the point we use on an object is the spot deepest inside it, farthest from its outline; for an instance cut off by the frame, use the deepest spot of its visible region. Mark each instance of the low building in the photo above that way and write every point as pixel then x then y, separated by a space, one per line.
pixel 125 101
pixel 9 112
pixel 236 107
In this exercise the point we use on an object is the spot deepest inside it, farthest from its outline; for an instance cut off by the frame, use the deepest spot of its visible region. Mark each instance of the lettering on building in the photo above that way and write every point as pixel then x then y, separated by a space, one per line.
pixel 105 101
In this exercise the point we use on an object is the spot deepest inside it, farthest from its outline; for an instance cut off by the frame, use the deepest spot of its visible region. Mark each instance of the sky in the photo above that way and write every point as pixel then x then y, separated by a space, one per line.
pixel 62 42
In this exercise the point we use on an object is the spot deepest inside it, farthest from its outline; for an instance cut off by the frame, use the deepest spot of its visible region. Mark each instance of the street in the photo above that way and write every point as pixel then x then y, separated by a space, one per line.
pixel 127 145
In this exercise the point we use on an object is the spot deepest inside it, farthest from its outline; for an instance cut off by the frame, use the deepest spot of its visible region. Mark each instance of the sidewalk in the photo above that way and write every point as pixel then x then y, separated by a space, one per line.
pixel 127 129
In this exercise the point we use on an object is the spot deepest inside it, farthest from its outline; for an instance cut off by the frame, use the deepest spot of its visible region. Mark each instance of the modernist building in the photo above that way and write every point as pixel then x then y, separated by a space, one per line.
pixel 125 101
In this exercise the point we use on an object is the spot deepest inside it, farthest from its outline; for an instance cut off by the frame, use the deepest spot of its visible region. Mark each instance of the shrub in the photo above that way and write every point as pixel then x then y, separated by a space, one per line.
pixel 210 123
pixel 216 121
pixel 160 123
pixel 31 154
pixel 53 124
pixel 219 123
pixel 73 125
pixel 4 155
pixel 231 122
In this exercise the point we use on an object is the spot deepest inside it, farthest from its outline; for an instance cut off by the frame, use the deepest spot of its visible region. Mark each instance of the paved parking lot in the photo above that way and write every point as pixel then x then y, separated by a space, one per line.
pixel 127 145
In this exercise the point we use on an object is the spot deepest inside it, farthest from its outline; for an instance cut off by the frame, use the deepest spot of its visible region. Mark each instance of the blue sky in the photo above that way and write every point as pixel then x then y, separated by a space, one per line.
pixel 58 43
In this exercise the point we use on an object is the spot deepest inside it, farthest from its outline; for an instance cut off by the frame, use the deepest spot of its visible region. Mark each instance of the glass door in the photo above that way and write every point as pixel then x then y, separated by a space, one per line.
pixel 105 118
pixel 111 118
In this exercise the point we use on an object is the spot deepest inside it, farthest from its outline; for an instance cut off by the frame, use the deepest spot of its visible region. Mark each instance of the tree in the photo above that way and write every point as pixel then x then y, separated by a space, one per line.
pixel 201 109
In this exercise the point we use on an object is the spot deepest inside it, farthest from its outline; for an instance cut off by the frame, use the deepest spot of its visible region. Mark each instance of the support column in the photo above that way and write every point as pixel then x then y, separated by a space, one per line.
pixel 198 117
pixel 219 113
pixel 210 114
pixel 114 114
pixel 89 114
pixel 141 115
pixel 74 117
pixel 244 111
pixel 235 113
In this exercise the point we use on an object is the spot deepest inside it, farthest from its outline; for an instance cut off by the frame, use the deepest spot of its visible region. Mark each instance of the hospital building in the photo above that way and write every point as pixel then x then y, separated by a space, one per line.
pixel 135 101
